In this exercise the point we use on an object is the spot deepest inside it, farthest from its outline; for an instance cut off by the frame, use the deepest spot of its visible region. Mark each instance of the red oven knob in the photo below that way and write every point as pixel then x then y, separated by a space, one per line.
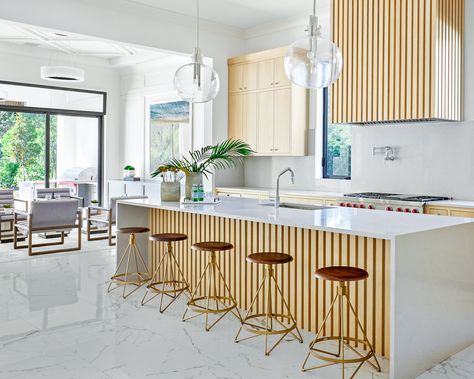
pixel 342 204
pixel 415 210
pixel 389 209
pixel 407 210
pixel 349 205
pixel 362 206
pixel 355 206
pixel 371 206
pixel 399 209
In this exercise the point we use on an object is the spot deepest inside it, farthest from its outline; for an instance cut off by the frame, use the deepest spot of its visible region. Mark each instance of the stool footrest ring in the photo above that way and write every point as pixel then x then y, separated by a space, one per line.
pixel 196 307
pixel 141 278
pixel 318 353
pixel 153 287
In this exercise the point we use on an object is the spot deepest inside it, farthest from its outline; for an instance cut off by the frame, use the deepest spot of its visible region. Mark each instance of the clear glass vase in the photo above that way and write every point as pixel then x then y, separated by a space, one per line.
pixel 192 178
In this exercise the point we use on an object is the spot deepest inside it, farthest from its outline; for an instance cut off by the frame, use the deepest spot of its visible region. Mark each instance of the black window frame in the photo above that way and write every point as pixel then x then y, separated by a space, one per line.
pixel 325 139
pixel 48 112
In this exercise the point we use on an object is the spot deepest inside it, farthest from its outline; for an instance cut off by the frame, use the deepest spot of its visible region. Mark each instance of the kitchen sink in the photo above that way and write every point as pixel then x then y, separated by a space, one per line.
pixel 307 207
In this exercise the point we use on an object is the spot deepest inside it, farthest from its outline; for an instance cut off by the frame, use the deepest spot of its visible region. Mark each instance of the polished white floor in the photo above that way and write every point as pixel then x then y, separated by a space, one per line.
pixel 57 321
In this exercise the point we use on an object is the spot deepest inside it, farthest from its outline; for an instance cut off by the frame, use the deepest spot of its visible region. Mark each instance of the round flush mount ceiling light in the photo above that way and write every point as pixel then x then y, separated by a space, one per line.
pixel 62 73
pixel 313 62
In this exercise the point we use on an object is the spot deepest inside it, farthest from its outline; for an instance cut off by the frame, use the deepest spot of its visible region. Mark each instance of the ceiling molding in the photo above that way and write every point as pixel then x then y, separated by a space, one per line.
pixel 277 26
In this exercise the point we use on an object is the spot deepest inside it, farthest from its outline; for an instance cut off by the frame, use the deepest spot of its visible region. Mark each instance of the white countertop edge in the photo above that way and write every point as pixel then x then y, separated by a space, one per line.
pixel 370 219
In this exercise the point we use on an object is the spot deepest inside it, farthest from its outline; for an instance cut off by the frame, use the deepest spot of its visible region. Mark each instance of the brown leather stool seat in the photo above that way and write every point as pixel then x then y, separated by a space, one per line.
pixel 341 274
pixel 269 258
pixel 212 246
pixel 168 237
pixel 133 230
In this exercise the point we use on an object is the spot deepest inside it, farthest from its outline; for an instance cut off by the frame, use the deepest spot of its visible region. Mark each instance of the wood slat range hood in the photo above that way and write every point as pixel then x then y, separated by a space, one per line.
pixel 403 60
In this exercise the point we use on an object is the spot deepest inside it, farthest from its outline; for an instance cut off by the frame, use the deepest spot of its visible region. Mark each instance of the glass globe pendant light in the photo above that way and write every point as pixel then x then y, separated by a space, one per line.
pixel 195 81
pixel 313 62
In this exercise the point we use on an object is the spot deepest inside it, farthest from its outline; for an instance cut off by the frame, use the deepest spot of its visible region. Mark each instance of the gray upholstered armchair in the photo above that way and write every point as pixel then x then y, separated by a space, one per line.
pixel 55 193
pixel 59 216
pixel 8 204
pixel 101 220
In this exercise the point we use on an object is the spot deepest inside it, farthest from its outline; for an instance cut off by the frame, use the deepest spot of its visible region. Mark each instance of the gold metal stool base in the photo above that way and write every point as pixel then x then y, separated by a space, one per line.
pixel 270 317
pixel 220 302
pixel 343 340
pixel 136 278
pixel 173 283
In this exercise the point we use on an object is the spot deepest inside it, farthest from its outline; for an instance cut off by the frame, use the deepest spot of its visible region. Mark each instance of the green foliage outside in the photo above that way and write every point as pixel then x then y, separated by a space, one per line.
pixel 338 151
pixel 23 148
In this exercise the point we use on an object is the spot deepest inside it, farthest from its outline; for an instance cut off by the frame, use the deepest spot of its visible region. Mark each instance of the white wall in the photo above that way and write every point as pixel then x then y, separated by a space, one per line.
pixel 22 64
pixel 433 159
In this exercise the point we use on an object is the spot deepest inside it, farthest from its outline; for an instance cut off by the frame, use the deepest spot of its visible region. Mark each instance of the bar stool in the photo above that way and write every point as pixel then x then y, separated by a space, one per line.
pixel 170 272
pixel 269 260
pixel 342 275
pixel 138 277
pixel 214 277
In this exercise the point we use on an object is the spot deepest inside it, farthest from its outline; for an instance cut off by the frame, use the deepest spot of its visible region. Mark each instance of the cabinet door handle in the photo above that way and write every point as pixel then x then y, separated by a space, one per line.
pixel 240 88
pixel 272 83
pixel 276 83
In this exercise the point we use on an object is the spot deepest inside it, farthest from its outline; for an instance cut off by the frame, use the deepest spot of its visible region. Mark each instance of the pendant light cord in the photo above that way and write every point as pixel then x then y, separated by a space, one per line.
pixel 314 7
pixel 197 23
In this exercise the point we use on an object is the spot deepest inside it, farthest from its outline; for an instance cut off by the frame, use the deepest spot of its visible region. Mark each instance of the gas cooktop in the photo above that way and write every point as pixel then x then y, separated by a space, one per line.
pixel 393 196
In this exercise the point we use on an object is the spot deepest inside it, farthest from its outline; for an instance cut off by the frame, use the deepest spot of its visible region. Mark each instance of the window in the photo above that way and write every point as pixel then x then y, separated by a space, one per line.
pixel 336 146
pixel 169 128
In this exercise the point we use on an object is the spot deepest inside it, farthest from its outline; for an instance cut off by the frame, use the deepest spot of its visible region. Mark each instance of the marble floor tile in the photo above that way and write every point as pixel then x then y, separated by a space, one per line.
pixel 57 321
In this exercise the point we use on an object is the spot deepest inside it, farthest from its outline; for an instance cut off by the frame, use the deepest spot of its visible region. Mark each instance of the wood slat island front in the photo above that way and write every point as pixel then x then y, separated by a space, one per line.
pixel 417 304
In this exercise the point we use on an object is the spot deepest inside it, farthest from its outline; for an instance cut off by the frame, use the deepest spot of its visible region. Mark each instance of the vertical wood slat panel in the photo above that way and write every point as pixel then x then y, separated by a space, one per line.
pixel 307 297
pixel 402 60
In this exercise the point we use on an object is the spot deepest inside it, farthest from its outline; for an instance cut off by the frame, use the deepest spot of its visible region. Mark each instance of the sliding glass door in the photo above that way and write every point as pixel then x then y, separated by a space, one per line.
pixel 39 150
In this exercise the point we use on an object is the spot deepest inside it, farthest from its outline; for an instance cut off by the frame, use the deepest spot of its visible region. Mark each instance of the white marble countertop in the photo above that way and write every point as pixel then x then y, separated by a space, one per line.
pixel 283 191
pixel 361 222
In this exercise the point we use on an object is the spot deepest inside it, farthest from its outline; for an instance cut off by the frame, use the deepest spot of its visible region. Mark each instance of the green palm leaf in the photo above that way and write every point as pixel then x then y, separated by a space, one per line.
pixel 209 159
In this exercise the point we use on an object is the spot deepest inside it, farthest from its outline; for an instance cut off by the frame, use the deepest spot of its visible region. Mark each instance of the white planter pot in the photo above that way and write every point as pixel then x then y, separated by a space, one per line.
pixel 129 173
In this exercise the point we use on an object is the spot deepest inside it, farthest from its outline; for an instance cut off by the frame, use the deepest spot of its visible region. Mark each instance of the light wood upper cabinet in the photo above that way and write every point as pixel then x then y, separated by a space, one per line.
pixel 282 121
pixel 265 109
pixel 243 118
pixel 250 76
pixel 265 122
pixel 249 119
pixel 402 60
pixel 236 77
pixel 266 71
pixel 243 77
pixel 279 78
pixel 235 121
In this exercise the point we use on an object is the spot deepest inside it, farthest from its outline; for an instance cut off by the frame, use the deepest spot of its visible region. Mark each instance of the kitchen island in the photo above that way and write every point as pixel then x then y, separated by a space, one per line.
pixel 417 305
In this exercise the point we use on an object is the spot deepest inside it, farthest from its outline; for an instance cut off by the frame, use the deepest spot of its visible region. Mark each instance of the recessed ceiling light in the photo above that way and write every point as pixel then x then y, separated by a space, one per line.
pixel 62 73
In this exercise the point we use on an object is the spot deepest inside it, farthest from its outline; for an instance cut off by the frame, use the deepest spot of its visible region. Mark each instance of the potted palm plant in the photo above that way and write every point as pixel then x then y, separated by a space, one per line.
pixel 208 160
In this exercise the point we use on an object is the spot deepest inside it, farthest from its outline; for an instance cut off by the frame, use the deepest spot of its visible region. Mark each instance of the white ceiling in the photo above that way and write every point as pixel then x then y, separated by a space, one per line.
pixel 238 13
pixel 72 44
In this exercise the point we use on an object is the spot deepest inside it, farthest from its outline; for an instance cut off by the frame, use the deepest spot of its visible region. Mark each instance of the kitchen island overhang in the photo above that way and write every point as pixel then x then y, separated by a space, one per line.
pixel 417 305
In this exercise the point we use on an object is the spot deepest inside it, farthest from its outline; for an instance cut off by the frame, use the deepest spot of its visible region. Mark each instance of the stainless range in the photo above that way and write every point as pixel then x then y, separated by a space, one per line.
pixel 387 201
